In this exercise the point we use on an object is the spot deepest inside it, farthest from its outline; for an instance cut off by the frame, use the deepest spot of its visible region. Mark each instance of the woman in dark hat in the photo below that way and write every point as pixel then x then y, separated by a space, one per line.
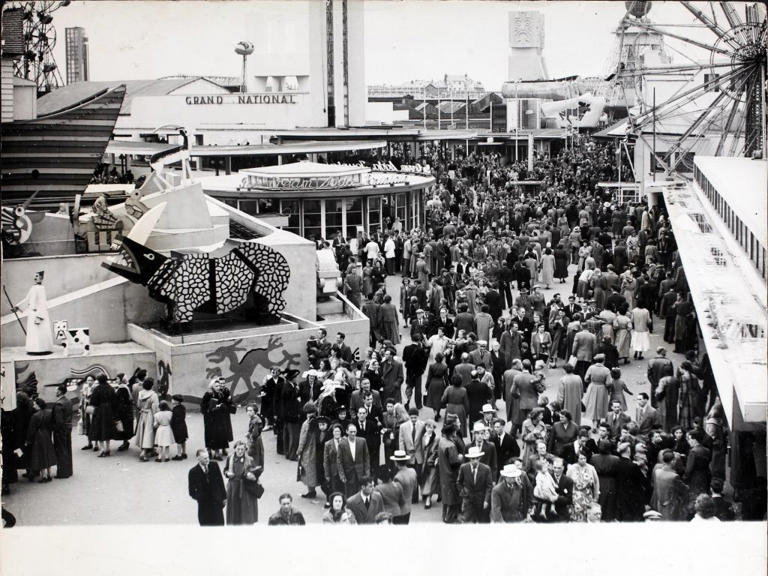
pixel 103 421
pixel 42 455
pixel 123 412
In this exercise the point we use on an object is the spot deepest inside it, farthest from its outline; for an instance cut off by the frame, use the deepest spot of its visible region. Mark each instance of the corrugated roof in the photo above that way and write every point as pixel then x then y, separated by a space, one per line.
pixel 69 95
pixel 13 32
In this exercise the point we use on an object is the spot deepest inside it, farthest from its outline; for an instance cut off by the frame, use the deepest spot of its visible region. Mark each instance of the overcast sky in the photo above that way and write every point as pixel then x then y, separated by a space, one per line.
pixel 404 40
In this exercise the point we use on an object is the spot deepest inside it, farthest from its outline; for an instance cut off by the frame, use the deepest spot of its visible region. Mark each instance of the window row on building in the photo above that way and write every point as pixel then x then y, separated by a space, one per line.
pixel 315 218
pixel 743 235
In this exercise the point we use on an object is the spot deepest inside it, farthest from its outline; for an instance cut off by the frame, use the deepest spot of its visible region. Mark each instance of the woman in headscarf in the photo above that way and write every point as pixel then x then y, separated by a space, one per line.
pixel 242 504
pixel 216 406
pixel 148 404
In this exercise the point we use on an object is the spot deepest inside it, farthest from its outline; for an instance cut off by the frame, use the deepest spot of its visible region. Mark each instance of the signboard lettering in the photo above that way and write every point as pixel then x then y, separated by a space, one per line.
pixel 221 99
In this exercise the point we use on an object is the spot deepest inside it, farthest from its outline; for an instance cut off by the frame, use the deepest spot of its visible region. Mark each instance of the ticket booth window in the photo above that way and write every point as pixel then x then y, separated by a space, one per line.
pixel 354 208
pixel 333 217
pixel 313 215
pixel 290 208
pixel 374 214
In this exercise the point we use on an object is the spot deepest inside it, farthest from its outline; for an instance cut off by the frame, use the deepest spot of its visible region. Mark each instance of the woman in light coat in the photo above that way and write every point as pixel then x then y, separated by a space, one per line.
pixel 148 404
pixel 641 322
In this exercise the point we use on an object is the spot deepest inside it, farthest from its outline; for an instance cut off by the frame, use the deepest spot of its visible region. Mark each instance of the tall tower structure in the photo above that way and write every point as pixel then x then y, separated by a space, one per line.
pixel 526 42
pixel 77 55
pixel 337 36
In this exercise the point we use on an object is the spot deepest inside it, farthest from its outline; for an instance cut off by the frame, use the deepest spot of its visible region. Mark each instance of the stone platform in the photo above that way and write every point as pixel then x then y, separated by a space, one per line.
pixel 52 369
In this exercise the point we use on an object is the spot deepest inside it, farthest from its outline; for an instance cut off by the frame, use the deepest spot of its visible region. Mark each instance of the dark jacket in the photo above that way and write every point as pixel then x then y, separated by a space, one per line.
pixel 209 492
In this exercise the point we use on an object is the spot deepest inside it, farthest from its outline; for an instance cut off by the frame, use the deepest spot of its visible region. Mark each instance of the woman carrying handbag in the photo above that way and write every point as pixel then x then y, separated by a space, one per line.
pixel 243 487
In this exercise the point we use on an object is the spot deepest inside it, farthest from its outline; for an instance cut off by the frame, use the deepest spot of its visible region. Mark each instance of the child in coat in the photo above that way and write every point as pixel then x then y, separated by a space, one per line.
pixel 179 426
pixel 163 434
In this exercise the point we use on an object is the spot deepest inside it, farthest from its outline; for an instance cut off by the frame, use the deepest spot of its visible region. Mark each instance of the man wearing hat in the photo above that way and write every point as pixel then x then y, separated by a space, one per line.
pixel 488 413
pixel 509 498
pixel 658 368
pixel 474 483
pixel 406 477
pixel 480 440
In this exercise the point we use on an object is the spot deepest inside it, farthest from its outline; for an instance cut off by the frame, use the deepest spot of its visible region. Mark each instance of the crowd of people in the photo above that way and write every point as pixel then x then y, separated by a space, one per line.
pixel 483 335
pixel 458 413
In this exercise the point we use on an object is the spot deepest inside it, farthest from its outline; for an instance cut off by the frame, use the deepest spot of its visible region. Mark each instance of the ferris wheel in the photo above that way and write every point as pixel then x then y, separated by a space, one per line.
pixel 713 86
pixel 37 63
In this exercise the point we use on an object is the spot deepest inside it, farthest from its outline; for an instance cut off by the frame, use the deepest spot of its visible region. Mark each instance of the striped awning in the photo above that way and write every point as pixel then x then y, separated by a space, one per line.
pixel 57 154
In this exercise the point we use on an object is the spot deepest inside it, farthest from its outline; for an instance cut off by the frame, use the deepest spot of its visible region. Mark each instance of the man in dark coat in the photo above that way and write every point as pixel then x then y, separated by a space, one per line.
pixel 631 494
pixel 658 368
pixel 495 303
pixel 475 483
pixel 606 465
pixel 353 460
pixel 62 432
pixel 367 503
pixel 206 486
pixel 371 310
pixel 506 445
pixel 415 356
pixel 564 491
pixel 391 377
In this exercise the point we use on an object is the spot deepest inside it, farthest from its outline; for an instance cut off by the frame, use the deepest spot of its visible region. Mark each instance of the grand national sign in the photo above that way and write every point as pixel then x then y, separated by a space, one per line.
pixel 221 99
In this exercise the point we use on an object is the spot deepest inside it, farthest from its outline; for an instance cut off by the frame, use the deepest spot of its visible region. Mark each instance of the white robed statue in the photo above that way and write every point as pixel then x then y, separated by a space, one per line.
pixel 39 332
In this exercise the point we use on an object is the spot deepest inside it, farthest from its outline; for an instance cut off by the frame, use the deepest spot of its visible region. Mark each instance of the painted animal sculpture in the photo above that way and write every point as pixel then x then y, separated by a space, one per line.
pixel 198 282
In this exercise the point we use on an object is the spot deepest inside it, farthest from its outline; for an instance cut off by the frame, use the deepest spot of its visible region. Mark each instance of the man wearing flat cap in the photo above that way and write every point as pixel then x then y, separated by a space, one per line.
pixel 474 483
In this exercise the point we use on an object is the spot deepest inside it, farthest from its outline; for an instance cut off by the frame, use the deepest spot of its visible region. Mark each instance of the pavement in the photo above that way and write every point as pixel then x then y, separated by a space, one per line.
pixel 122 490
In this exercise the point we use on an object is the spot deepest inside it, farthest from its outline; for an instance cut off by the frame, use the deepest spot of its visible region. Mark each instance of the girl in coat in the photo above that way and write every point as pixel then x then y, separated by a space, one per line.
pixel 42 455
pixel 242 506
pixel 179 426
pixel 617 388
pixel 148 404
pixel 163 433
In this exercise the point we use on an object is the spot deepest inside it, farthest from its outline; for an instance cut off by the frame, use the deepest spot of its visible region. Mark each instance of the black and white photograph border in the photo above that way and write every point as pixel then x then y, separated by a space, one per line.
pixel 420 263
